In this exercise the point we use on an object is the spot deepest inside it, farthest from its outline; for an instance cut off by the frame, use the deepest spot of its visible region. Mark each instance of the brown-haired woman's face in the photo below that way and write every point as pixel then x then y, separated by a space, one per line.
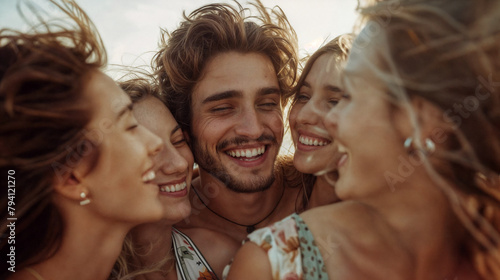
pixel 120 183
pixel 320 91
pixel 174 164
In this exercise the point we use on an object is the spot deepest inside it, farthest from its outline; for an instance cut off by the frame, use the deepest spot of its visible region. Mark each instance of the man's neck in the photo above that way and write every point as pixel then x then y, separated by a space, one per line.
pixel 218 208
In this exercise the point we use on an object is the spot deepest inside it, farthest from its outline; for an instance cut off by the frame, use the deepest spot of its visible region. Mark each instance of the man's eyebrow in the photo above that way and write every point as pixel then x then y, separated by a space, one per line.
pixel 222 95
pixel 126 109
pixel 234 93
pixel 269 90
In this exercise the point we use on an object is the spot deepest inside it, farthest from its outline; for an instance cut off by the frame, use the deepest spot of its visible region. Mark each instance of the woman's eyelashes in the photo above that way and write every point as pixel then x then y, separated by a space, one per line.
pixel 333 99
pixel 132 127
pixel 302 98
pixel 346 96
pixel 179 140
pixel 132 123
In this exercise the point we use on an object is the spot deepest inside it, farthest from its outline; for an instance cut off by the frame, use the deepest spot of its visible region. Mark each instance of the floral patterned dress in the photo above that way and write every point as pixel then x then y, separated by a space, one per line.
pixel 291 249
pixel 190 263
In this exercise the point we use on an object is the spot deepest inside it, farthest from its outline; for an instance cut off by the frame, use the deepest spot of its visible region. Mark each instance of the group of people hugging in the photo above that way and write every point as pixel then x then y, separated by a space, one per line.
pixel 177 173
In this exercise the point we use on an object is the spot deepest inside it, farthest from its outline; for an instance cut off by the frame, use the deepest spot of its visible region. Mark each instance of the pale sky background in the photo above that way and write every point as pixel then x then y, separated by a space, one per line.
pixel 130 28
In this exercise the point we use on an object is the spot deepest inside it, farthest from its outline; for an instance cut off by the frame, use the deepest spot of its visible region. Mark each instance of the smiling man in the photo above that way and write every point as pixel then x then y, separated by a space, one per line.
pixel 226 75
pixel 237 123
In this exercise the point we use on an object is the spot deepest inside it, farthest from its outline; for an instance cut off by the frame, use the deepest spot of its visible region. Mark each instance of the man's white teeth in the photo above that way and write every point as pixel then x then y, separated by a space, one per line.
pixel 148 176
pixel 173 188
pixel 311 141
pixel 248 153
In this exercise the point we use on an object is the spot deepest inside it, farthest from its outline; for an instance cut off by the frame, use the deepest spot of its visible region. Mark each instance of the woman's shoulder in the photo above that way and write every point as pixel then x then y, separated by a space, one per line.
pixel 336 214
pixel 347 220
pixel 350 235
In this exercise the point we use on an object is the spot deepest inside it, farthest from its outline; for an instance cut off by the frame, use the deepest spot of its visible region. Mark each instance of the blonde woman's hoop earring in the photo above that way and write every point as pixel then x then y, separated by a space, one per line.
pixel 85 200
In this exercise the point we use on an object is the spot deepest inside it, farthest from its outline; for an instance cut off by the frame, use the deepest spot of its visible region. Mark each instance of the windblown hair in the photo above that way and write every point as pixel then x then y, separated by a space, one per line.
pixel 139 85
pixel 42 118
pixel 128 266
pixel 339 47
pixel 215 29
pixel 447 52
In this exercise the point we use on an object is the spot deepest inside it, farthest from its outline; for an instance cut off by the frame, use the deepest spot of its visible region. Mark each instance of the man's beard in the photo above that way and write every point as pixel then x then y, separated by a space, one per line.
pixel 213 166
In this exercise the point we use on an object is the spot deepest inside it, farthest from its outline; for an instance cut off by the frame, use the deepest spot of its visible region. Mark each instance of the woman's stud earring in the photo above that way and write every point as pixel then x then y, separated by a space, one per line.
pixel 85 200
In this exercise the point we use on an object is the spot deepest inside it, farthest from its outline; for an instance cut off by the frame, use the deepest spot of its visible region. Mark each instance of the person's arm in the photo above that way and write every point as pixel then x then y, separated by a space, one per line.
pixel 251 262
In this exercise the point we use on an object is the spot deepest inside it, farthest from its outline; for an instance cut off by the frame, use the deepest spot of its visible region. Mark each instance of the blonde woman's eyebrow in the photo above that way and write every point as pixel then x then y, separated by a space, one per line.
pixel 333 88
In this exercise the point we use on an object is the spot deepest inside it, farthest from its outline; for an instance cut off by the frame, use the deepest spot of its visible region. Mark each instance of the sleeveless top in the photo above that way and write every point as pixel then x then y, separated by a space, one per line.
pixel 291 250
pixel 190 263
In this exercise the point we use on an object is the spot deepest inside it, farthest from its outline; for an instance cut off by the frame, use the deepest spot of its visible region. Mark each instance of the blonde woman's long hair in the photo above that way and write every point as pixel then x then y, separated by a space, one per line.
pixel 448 52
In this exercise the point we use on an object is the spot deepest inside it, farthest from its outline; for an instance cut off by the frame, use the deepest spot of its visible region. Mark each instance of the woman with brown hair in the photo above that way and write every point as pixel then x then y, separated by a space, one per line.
pixel 418 130
pixel 80 167
pixel 317 91
pixel 158 250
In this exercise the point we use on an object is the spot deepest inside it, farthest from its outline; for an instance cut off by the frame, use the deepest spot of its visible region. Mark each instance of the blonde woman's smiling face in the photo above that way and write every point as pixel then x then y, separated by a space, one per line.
pixel 364 126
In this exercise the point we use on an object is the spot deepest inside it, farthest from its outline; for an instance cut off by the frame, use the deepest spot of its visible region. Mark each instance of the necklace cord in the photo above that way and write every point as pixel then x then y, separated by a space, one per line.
pixel 250 228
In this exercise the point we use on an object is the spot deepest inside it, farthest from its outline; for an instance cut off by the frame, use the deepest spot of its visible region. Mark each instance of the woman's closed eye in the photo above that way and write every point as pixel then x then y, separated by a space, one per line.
pixel 178 139
pixel 302 98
